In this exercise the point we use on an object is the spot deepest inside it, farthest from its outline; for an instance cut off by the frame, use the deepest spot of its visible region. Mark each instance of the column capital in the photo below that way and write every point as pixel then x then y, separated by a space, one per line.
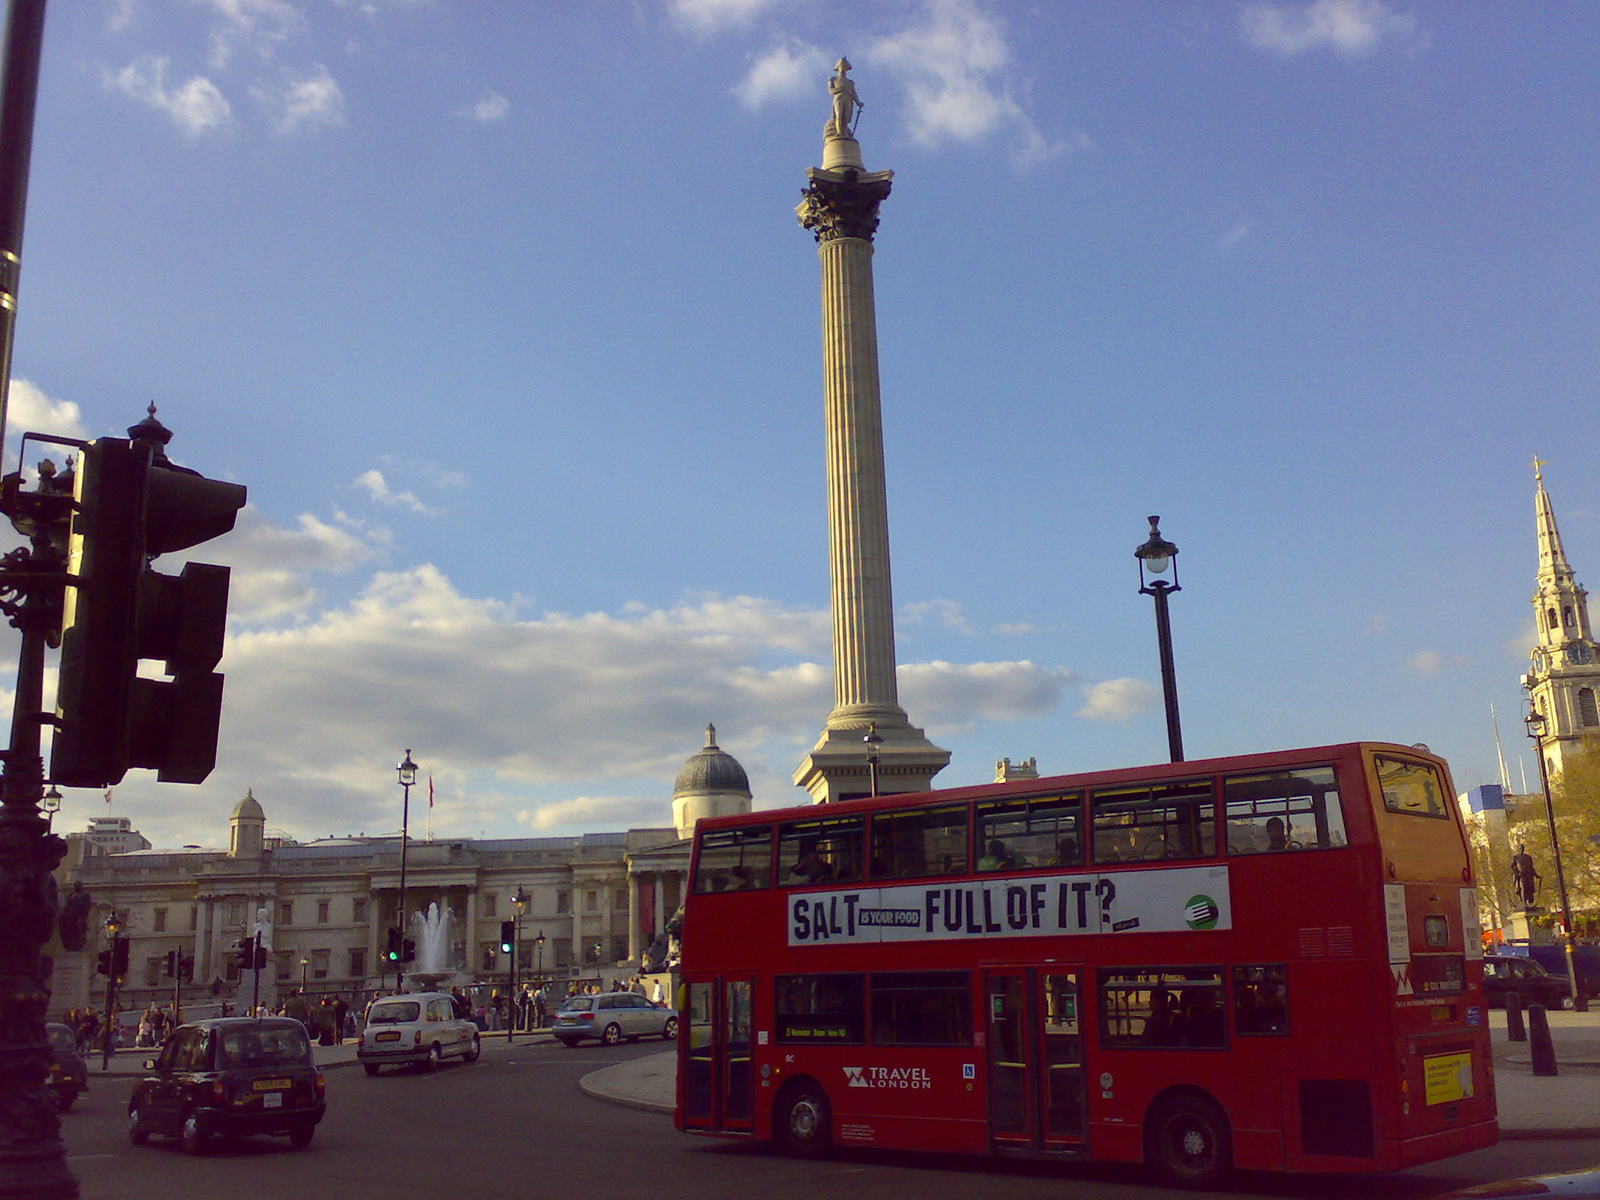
pixel 843 204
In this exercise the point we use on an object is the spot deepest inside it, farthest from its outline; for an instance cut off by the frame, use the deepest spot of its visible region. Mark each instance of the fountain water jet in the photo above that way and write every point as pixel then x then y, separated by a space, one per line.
pixel 431 931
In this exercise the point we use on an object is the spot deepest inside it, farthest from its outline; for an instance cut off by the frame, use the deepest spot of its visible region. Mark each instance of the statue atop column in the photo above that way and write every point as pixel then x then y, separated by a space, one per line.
pixel 1524 877
pixel 847 104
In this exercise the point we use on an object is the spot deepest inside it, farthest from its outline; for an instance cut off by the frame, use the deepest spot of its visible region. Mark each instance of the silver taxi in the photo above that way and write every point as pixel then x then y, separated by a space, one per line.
pixel 415 1027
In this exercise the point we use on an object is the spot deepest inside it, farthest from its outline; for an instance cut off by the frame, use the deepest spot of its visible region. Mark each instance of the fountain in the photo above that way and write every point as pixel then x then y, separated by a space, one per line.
pixel 431 931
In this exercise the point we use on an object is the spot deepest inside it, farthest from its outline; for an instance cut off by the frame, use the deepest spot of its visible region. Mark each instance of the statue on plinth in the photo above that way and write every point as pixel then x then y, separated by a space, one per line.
pixel 1524 877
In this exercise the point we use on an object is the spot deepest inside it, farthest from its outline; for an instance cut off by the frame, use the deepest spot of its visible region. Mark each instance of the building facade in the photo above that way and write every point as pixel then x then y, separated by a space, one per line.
pixel 596 902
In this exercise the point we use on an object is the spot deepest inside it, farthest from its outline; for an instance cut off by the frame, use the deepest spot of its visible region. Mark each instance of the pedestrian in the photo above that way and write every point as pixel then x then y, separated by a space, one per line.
pixel 341 1014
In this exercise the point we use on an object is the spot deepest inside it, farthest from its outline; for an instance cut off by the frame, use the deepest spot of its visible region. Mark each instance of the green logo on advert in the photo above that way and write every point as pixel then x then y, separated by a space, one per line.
pixel 1201 912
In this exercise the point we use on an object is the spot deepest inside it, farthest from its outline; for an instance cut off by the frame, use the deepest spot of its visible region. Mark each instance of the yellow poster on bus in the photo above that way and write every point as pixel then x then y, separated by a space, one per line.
pixel 1447 1077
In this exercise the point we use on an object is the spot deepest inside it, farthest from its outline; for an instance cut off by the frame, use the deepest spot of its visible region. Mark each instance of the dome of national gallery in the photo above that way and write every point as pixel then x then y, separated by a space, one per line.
pixel 711 784
pixel 711 770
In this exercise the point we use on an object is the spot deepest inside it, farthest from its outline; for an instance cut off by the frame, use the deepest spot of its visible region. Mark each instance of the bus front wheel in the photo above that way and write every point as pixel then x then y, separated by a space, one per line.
pixel 1186 1142
pixel 801 1123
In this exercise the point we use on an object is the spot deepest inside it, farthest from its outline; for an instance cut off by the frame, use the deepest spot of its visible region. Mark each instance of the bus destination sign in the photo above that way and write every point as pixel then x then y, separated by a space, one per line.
pixel 1171 900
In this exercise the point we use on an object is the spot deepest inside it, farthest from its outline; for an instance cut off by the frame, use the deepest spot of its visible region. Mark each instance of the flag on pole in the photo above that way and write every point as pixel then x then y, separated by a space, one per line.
pixel 108 795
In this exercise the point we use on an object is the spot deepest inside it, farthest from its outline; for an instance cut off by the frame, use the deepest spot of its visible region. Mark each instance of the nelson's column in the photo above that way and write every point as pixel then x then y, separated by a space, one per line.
pixel 868 744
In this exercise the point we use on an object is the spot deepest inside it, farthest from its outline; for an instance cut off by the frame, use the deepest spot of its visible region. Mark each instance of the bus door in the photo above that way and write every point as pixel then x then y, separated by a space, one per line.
pixel 718 1068
pixel 1035 1045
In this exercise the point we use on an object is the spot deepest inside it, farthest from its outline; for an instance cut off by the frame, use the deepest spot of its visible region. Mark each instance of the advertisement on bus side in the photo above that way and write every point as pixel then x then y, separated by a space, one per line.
pixel 1156 901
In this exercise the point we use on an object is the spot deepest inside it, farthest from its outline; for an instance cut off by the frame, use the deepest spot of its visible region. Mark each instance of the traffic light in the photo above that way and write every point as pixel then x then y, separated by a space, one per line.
pixel 392 950
pixel 119 957
pixel 174 957
pixel 102 964
pixel 131 504
pixel 508 934
pixel 186 968
pixel 408 950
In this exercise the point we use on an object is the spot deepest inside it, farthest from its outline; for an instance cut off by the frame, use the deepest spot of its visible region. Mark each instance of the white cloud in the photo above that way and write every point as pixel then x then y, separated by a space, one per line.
pixel 1118 699
pixel 1431 663
pixel 552 721
pixel 1014 628
pixel 310 101
pixel 587 812
pixel 197 106
pixel 953 696
pixel 378 488
pixel 271 564
pixel 707 17
pixel 488 108
pixel 788 72
pixel 952 64
pixel 1353 28
pixel 259 25
pixel 946 612
pixel 1234 236
pixel 29 410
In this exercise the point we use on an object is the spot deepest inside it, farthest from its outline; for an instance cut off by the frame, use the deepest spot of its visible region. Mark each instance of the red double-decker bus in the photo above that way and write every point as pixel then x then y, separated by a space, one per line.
pixel 1272 962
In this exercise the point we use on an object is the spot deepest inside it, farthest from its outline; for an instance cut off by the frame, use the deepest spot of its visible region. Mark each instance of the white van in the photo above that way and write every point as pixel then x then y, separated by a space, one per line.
pixel 415 1027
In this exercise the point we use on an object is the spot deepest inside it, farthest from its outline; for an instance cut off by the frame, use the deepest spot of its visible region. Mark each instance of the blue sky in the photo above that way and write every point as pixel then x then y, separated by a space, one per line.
pixel 503 314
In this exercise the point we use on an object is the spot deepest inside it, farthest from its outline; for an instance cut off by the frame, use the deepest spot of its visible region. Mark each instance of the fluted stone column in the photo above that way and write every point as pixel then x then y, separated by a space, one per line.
pixel 840 207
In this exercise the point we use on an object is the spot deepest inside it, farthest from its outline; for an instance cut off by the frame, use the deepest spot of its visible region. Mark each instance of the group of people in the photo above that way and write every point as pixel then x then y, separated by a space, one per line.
pixel 1192 1017
pixel 330 1020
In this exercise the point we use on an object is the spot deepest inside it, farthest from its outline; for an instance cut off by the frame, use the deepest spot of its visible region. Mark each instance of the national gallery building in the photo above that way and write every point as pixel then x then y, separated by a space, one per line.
pixel 598 900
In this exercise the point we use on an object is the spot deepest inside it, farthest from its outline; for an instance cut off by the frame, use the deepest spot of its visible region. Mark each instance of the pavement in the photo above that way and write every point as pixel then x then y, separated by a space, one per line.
pixel 1566 1105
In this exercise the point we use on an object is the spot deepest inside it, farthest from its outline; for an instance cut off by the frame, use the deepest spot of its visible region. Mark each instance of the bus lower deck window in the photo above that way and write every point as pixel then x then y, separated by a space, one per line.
pixel 922 1008
pixel 1261 999
pixel 1163 1008
pixel 830 1009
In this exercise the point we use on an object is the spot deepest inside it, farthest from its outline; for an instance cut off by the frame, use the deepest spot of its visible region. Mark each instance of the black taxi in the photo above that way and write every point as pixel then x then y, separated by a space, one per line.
pixel 233 1075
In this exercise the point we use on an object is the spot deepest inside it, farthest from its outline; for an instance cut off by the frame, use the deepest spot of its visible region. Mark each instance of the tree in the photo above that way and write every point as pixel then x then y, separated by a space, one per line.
pixel 1576 796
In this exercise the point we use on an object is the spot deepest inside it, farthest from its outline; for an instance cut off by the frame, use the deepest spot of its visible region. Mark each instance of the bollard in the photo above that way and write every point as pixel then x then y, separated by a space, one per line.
pixel 1543 1052
pixel 1515 1032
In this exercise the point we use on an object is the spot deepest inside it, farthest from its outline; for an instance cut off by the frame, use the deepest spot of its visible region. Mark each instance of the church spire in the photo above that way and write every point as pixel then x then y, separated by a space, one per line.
pixel 1553 566
pixel 1564 671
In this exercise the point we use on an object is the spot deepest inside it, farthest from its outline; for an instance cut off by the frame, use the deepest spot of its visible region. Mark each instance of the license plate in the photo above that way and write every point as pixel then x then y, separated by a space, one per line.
pixel 272 1085
pixel 272 1100
pixel 392 1035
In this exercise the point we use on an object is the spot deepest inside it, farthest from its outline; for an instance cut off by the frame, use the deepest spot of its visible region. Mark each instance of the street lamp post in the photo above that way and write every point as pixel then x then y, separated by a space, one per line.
pixel 873 741
pixel 51 805
pixel 407 770
pixel 304 963
pixel 1537 728
pixel 519 899
pixel 538 945
pixel 1154 556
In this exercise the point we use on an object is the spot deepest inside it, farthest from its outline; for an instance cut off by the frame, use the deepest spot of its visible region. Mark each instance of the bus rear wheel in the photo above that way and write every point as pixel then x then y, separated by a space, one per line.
pixel 802 1122
pixel 1186 1142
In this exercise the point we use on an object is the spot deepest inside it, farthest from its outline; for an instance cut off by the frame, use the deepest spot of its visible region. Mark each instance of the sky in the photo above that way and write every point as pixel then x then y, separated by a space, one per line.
pixel 503 315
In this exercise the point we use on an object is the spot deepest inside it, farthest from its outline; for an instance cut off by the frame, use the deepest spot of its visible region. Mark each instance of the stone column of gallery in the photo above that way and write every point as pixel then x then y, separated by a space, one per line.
pixel 841 209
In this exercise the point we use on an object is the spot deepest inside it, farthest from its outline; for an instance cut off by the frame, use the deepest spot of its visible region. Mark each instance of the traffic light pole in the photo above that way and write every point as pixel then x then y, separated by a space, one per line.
pixel 32 1157
pixel 111 1006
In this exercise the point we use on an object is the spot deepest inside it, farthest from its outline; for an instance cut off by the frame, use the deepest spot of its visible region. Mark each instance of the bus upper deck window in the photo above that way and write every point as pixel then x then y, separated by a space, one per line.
pixel 734 860
pixel 821 851
pixel 1283 810
pixel 921 841
pixel 1167 820
pixel 1041 831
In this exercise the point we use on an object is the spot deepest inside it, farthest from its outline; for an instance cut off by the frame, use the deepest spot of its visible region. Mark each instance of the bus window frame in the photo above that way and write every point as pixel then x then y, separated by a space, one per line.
pixel 789 839
pixel 933 812
pixel 1051 805
pixel 1170 799
pixel 1281 805
pixel 744 835
pixel 1439 810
